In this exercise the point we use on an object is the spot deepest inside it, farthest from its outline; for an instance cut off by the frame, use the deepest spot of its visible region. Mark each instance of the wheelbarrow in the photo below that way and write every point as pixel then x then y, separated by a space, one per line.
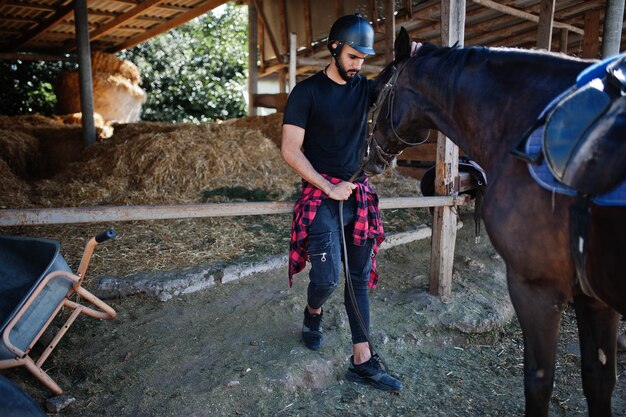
pixel 35 284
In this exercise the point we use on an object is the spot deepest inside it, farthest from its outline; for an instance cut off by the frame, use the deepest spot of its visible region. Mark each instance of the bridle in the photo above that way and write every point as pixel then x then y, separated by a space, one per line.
pixel 388 91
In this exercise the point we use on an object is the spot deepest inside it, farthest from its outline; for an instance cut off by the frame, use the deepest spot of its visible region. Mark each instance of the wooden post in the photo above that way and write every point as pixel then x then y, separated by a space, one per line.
pixel 613 22
pixel 84 72
pixel 253 69
pixel 546 21
pixel 591 45
pixel 563 40
pixel 293 57
pixel 267 29
pixel 307 26
pixel 338 9
pixel 282 80
pixel 390 29
pixel 447 170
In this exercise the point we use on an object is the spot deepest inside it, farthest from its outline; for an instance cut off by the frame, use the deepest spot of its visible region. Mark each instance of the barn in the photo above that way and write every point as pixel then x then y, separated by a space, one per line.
pixel 286 43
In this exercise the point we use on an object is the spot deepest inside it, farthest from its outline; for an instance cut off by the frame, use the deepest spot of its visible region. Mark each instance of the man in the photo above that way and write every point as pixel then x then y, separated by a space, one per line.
pixel 324 128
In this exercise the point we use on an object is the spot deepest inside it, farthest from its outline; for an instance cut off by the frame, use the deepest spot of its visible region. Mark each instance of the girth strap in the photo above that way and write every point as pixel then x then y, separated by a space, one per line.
pixel 579 222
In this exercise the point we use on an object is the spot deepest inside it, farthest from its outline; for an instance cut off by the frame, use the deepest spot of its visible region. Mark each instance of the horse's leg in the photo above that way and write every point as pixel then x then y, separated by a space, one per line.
pixel 597 332
pixel 538 308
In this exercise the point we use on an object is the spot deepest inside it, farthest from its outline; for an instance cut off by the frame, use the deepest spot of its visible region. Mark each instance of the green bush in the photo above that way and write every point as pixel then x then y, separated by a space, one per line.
pixel 28 87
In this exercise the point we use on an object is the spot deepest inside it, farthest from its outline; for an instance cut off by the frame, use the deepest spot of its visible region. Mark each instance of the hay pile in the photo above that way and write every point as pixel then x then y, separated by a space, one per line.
pixel 35 146
pixel 104 130
pixel 155 163
pixel 270 126
pixel 26 123
pixel 19 150
pixel 45 165
pixel 20 155
pixel 148 163
pixel 13 190
pixel 160 163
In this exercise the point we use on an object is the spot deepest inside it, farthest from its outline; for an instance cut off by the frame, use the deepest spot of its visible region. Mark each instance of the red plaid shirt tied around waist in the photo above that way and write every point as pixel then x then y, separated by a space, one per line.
pixel 368 224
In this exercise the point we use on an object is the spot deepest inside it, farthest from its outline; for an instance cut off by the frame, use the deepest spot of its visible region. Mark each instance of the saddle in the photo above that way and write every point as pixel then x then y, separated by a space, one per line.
pixel 577 147
pixel 472 181
pixel 584 130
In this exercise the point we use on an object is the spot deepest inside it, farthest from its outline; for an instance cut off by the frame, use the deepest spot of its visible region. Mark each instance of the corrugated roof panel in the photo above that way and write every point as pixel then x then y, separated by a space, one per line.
pixel 40 25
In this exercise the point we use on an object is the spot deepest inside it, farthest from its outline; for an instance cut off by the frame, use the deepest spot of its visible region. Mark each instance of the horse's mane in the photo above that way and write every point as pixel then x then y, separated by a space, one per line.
pixel 451 62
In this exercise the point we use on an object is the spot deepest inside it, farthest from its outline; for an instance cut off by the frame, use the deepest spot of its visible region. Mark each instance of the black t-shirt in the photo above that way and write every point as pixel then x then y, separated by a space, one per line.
pixel 334 118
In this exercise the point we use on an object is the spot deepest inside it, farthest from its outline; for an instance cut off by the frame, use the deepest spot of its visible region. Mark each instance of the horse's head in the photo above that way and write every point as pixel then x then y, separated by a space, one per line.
pixel 396 122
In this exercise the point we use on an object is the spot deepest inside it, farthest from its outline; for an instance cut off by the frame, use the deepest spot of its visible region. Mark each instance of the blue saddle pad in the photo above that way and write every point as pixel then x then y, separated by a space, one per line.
pixel 542 175
pixel 597 70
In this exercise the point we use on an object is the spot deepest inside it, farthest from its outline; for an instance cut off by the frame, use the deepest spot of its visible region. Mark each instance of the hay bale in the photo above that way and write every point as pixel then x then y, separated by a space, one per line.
pixel 110 64
pixel 13 191
pixel 117 95
pixel 116 98
pixel 20 151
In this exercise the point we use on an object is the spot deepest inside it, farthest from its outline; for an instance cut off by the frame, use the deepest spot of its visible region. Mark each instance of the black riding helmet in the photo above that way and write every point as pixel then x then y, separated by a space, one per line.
pixel 352 30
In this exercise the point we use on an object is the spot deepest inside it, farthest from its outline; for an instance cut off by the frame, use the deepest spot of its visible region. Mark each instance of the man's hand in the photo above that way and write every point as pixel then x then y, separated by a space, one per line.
pixel 341 191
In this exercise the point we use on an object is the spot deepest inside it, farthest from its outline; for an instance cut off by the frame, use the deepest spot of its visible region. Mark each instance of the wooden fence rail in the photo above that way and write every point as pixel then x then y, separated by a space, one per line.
pixel 98 214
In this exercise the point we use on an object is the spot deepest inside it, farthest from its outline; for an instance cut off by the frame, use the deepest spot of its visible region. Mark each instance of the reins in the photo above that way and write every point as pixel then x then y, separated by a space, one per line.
pixel 346 271
pixel 388 91
pixel 387 158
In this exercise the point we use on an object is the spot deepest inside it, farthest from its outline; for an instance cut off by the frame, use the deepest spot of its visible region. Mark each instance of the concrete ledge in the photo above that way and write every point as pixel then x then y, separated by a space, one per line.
pixel 166 284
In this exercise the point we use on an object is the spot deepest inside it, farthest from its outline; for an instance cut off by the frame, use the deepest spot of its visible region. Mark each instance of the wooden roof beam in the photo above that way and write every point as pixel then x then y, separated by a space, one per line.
pixel 120 20
pixel 576 9
pixel 52 21
pixel 13 56
pixel 18 19
pixel 267 28
pixel 488 26
pixel 162 6
pixel 525 15
pixel 200 9
pixel 408 7
pixel 508 35
pixel 546 21
pixel 29 5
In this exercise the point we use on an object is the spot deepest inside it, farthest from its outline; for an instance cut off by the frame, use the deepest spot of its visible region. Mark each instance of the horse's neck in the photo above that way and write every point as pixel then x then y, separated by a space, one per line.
pixel 494 104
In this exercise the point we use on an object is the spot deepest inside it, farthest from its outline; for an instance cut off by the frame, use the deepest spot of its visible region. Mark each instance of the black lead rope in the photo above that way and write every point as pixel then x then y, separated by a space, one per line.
pixel 346 270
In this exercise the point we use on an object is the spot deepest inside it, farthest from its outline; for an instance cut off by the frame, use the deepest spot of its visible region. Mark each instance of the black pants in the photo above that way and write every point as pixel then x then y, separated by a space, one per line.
pixel 325 253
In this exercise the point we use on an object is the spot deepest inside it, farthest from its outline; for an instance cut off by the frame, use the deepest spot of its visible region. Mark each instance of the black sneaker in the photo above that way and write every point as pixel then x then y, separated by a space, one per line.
pixel 373 373
pixel 312 330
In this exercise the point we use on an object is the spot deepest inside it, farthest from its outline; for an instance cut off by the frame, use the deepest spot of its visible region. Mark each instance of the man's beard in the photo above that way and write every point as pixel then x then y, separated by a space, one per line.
pixel 343 73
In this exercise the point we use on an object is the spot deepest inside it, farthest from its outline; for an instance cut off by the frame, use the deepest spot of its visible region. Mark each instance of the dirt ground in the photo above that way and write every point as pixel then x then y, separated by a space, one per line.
pixel 234 349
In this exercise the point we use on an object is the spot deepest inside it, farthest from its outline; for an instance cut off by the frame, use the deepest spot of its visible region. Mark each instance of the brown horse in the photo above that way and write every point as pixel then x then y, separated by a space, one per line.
pixel 484 99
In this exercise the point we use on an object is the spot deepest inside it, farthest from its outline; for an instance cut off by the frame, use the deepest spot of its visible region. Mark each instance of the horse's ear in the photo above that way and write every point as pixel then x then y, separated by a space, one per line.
pixel 402 46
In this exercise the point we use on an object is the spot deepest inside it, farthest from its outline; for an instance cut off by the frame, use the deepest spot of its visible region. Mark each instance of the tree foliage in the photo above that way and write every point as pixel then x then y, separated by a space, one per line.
pixel 28 87
pixel 197 72
pixel 194 73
